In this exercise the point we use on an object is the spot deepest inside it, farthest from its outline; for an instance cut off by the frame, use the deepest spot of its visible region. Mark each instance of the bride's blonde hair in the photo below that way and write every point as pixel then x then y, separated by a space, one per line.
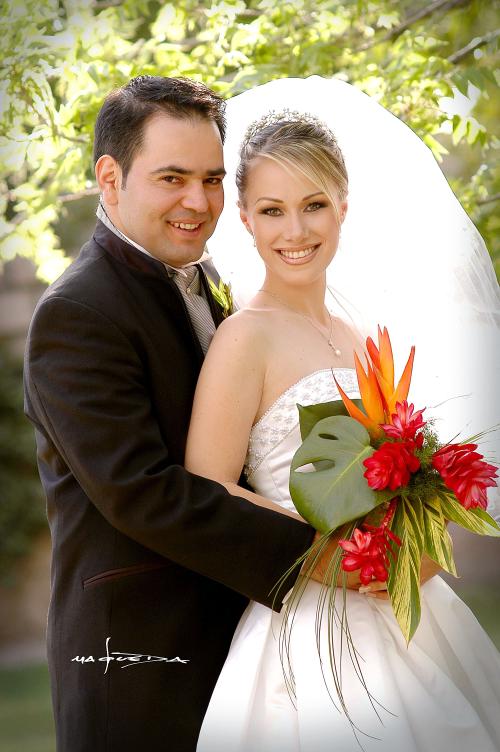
pixel 296 141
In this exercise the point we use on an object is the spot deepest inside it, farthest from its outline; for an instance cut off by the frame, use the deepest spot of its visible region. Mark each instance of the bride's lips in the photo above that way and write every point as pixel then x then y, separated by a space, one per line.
pixel 298 256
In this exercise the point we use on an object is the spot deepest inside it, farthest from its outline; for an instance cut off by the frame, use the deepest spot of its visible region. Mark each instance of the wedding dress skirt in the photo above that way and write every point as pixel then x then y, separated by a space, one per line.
pixel 442 692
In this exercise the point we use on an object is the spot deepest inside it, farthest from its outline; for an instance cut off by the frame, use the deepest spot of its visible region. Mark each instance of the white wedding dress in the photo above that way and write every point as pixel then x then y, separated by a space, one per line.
pixel 442 692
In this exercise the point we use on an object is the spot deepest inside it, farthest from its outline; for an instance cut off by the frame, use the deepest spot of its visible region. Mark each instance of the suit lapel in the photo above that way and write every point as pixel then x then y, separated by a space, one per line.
pixel 208 271
pixel 159 280
pixel 135 260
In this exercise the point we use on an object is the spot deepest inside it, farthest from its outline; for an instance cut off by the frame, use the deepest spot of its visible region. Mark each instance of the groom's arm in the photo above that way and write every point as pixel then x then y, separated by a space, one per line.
pixel 87 393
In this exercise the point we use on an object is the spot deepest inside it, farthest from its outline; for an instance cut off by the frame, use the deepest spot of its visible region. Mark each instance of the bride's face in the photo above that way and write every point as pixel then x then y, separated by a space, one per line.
pixel 295 225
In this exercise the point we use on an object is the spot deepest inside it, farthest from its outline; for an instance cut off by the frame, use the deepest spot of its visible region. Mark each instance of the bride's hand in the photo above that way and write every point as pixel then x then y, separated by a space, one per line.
pixel 377 589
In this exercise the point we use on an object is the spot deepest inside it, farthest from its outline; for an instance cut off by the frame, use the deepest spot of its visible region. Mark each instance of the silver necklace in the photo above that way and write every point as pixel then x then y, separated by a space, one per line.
pixel 336 350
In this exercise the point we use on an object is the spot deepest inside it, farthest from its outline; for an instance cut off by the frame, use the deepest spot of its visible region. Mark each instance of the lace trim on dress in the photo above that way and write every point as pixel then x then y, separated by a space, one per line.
pixel 283 416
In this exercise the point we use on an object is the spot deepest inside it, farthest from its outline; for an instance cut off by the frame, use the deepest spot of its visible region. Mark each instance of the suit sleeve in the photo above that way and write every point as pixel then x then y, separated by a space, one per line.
pixel 86 386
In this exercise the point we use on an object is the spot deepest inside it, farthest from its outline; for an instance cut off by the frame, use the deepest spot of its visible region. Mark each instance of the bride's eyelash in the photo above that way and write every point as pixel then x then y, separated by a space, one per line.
pixel 317 205
pixel 274 211
pixel 270 211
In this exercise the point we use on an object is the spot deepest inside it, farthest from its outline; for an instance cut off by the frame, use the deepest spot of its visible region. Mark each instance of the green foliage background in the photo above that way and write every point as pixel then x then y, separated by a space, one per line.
pixel 60 57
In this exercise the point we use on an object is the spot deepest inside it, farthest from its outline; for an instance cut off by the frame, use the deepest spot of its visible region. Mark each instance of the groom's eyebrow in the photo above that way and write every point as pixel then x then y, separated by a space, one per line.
pixel 279 201
pixel 183 171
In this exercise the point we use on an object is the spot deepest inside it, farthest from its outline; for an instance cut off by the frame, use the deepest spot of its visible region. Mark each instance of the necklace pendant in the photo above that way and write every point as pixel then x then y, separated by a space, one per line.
pixel 328 339
pixel 335 349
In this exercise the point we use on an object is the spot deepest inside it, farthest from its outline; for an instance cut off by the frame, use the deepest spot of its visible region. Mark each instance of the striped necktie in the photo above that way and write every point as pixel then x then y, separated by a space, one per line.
pixel 189 284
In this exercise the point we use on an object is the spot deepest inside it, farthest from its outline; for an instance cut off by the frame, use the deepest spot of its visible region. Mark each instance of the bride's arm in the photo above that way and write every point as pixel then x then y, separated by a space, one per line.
pixel 226 402
pixel 227 398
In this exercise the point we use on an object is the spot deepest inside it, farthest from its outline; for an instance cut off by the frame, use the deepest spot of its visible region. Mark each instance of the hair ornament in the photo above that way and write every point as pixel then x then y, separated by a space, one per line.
pixel 290 116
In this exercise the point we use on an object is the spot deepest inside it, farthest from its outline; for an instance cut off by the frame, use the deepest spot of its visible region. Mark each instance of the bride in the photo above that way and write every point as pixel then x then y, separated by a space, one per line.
pixel 281 349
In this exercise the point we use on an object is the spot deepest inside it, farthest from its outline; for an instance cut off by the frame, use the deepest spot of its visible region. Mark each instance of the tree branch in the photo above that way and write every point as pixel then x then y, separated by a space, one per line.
pixel 473 45
pixel 65 197
pixel 489 200
pixel 55 132
pixel 106 4
pixel 418 16
pixel 94 191
pixel 75 139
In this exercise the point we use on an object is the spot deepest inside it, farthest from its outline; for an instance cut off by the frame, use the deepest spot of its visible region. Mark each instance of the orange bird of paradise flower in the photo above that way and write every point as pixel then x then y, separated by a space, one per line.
pixel 376 385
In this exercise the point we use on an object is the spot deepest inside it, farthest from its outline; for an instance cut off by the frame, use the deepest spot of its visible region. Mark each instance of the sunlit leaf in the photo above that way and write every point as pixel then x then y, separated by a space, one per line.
pixel 476 520
pixel 404 579
pixel 437 541
pixel 388 20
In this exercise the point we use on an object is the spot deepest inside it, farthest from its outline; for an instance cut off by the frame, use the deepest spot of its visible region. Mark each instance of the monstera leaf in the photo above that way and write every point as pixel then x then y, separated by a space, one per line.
pixel 310 414
pixel 332 489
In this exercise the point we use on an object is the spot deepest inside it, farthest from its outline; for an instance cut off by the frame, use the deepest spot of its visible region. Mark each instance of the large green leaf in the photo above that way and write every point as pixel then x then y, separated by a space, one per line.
pixel 309 415
pixel 437 542
pixel 334 491
pixel 404 574
pixel 475 520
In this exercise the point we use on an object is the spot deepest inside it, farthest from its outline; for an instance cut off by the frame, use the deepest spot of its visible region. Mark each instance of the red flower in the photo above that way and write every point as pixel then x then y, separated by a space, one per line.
pixel 368 551
pixel 465 473
pixel 364 553
pixel 405 423
pixel 390 465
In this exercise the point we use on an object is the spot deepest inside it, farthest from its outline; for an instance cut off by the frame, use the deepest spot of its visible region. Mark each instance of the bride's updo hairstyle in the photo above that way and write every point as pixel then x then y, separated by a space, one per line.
pixel 297 141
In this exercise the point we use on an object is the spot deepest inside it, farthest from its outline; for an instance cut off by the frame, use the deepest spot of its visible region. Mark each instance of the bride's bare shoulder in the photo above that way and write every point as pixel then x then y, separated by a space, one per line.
pixel 247 323
pixel 244 335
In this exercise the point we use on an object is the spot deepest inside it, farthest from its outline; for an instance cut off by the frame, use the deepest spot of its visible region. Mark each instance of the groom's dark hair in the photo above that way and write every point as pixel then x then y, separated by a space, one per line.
pixel 119 128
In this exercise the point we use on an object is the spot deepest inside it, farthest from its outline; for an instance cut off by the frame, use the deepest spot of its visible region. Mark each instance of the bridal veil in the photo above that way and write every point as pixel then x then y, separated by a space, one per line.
pixel 409 256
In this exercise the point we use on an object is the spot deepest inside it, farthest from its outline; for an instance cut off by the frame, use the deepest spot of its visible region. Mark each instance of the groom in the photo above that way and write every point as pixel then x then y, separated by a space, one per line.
pixel 152 566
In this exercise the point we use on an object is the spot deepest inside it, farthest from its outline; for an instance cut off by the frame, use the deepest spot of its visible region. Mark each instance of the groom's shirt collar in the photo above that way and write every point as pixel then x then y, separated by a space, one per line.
pixel 103 217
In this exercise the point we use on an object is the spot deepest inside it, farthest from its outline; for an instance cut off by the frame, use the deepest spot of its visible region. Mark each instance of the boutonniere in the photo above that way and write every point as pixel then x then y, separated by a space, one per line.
pixel 222 295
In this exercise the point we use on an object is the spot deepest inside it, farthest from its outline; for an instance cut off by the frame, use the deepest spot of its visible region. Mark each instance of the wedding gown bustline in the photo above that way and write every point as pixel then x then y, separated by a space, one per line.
pixel 441 692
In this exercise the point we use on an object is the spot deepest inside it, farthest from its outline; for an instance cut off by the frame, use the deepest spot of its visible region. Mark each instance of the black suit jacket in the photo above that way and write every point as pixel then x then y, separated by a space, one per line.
pixel 157 559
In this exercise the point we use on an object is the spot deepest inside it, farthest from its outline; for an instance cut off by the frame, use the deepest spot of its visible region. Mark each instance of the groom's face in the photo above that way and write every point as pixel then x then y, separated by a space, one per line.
pixel 172 196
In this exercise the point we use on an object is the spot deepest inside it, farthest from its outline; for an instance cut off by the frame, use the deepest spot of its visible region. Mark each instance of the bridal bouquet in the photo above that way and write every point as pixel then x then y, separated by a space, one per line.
pixel 375 469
